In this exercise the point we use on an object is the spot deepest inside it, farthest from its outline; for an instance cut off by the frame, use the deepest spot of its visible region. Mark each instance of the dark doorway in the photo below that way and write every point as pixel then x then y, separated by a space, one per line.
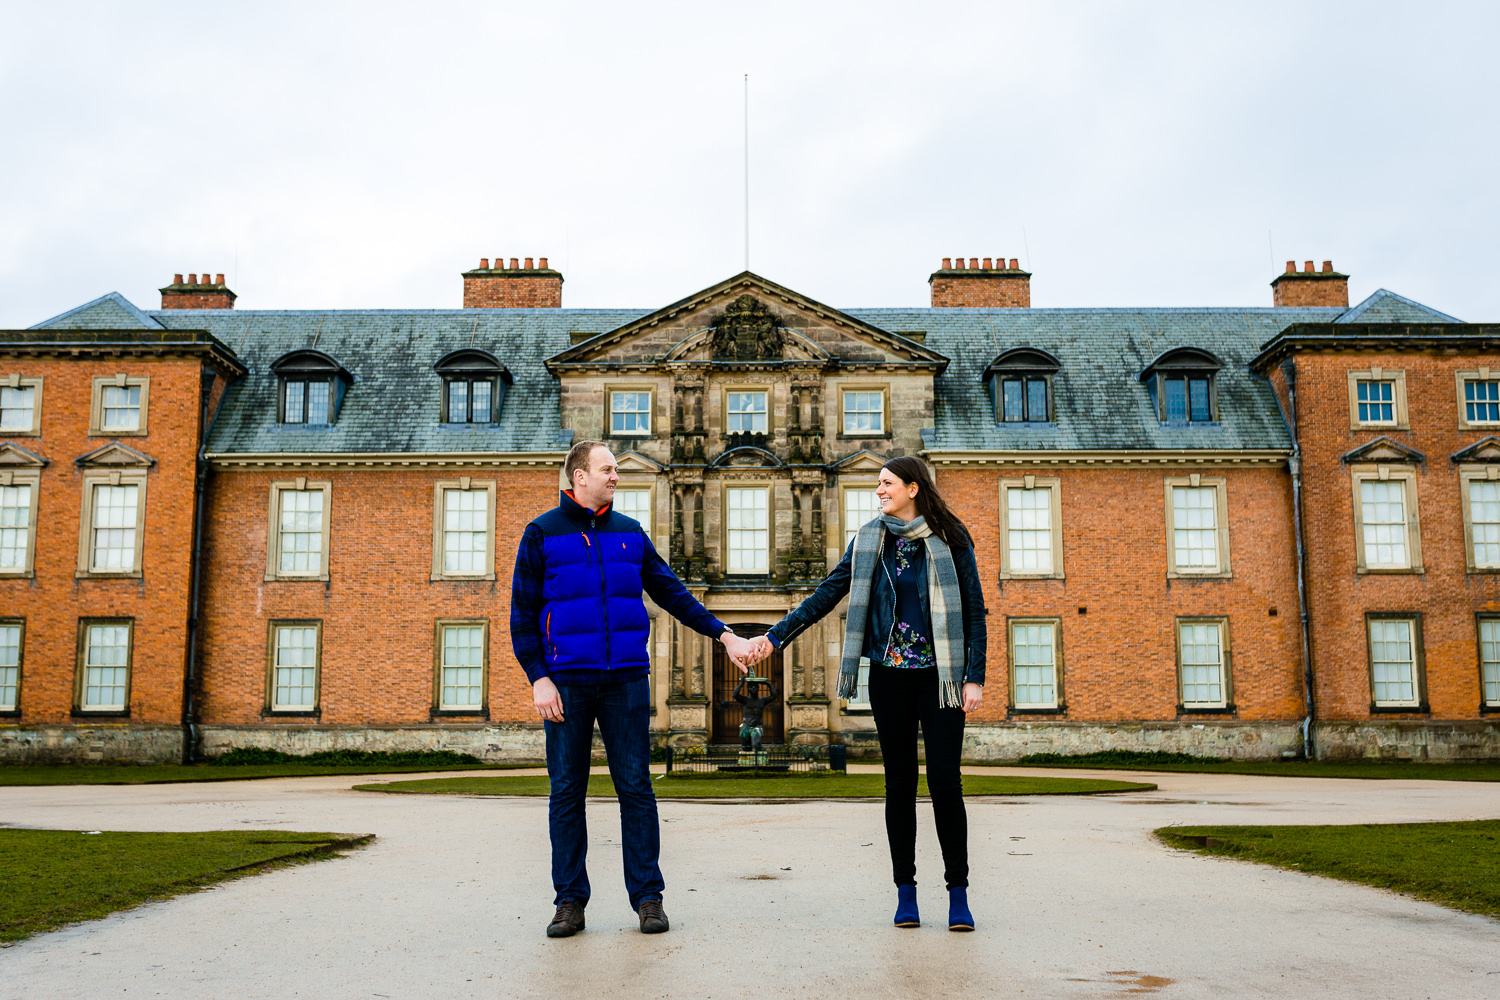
pixel 727 677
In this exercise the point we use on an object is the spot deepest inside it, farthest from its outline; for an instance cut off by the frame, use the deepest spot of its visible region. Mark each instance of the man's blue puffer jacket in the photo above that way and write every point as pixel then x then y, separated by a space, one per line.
pixel 576 610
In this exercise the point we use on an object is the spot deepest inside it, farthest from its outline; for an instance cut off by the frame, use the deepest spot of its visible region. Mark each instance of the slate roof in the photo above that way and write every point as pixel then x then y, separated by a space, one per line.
pixel 1385 306
pixel 1100 402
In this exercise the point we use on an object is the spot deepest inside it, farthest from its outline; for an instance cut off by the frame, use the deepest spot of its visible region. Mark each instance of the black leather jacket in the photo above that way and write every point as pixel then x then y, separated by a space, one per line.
pixel 882 616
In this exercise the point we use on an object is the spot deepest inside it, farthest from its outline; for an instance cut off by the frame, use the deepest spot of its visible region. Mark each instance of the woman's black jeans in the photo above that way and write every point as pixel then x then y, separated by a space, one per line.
pixel 900 700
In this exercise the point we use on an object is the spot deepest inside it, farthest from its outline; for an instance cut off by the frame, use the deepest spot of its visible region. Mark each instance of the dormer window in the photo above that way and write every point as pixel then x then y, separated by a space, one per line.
pixel 1021 386
pixel 310 388
pixel 473 386
pixel 1182 385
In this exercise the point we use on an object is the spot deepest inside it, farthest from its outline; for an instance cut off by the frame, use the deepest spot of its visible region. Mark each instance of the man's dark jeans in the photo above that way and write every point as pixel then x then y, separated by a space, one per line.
pixel 623 711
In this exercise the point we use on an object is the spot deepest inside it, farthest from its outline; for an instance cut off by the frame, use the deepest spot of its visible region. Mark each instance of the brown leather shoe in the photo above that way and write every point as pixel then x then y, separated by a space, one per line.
pixel 568 920
pixel 653 920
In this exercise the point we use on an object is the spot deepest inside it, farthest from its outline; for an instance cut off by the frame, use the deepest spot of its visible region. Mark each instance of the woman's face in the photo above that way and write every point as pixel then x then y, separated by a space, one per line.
pixel 897 498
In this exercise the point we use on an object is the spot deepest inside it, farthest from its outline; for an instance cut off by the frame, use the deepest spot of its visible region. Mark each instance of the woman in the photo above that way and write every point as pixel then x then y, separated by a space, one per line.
pixel 916 611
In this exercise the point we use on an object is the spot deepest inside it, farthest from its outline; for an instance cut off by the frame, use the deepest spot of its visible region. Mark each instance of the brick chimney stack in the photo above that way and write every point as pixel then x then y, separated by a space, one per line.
pixel 533 285
pixel 987 285
pixel 1310 288
pixel 195 294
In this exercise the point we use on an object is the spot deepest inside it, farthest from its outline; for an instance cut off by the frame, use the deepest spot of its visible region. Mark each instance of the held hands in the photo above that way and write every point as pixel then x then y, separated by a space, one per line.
pixel 760 649
pixel 739 650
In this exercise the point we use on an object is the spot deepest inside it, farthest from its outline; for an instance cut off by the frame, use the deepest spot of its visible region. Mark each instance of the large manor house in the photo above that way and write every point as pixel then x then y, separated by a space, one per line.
pixel 1257 532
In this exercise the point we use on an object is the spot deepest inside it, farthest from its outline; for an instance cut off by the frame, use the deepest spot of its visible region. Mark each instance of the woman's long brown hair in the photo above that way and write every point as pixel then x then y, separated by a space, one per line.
pixel 930 506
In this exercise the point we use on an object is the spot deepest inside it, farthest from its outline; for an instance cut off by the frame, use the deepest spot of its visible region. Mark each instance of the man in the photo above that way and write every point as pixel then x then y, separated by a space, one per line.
pixel 580 629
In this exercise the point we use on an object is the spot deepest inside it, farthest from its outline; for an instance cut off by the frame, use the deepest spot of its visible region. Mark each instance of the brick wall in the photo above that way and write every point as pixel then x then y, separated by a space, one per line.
pixel 516 287
pixel 979 285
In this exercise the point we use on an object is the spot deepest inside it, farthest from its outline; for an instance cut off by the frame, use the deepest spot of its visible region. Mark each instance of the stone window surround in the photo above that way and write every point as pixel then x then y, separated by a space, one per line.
pixel 1029 482
pixel 1226 660
pixel 645 483
pixel 273 528
pixel 34 480
pixel 1419 662
pixel 20 623
pixel 80 667
pixel 652 417
pixel 1361 473
pixel 1486 707
pixel 17 381
pixel 884 389
pixel 1375 373
pixel 851 705
pixel 1220 486
pixel 110 477
pixel 769 488
pixel 439 510
pixel 1059 704
pixel 270 692
pixel 438 708
pixel 1466 475
pixel 96 405
pixel 766 388
pixel 1480 374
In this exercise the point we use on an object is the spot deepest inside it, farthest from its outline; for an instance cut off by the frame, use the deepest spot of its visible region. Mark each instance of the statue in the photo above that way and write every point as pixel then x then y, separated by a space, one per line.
pixel 753 708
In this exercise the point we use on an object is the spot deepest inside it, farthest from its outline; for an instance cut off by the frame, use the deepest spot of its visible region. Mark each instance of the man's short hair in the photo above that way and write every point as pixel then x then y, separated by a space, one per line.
pixel 578 458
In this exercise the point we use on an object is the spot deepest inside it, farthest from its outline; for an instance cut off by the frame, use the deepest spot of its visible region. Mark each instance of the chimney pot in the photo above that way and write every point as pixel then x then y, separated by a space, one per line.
pixel 1327 266
pixel 987 263
pixel 1015 264
pixel 513 266
pixel 218 279
pixel 542 263
pixel 176 279
pixel 947 263
pixel 958 263
pixel 1291 267
pixel 1307 267
pixel 192 279
pixel 484 263
pixel 974 263
pixel 529 266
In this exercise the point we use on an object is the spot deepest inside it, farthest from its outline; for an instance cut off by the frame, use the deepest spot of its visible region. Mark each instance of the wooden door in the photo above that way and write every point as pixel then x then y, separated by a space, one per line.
pixel 726 724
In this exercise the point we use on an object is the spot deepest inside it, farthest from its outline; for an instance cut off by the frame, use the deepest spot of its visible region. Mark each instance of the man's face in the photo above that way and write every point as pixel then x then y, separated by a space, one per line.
pixel 595 486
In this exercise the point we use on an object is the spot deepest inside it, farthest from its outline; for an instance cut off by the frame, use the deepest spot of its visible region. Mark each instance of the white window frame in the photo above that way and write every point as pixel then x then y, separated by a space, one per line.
pixel 642 513
pixel 81 673
pixel 1053 486
pixel 1461 380
pixel 765 489
pixel 1221 569
pixel 1414 625
pixel 649 413
pixel 91 481
pixel 18 381
pixel 1489 665
pixel 884 391
pixel 859 701
pixel 847 514
pixel 1467 476
pixel 273 529
pixel 33 481
pixel 441 666
pixel 439 527
pixel 1225 700
pixel 1015 666
pixel 1399 419
pixel 764 392
pixel 273 646
pixel 1359 475
pixel 11 674
pixel 96 405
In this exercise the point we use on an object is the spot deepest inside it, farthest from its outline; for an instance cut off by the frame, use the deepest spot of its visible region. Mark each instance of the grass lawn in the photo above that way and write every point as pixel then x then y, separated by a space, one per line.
pixel 709 785
pixel 1453 864
pixel 58 877
pixel 151 774
pixel 1130 760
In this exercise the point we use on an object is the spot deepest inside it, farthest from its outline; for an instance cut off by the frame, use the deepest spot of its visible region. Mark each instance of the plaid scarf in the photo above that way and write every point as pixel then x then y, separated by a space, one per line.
pixel 943 598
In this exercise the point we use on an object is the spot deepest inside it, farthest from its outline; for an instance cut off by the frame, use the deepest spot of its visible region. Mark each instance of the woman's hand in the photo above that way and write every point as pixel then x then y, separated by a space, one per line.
pixel 973 695
pixel 760 649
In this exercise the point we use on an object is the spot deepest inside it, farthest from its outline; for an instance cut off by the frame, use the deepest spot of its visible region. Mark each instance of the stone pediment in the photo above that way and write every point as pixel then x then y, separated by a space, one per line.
pixel 1478 453
pixel 746 457
pixel 747 320
pixel 863 460
pixel 13 456
pixel 114 456
pixel 634 461
pixel 1384 451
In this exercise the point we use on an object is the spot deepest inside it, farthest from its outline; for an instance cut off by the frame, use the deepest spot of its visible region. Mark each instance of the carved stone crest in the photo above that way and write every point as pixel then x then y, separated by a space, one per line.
pixel 747 331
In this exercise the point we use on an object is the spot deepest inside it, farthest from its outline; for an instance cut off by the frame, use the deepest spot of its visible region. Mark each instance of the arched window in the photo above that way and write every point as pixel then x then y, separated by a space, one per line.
pixel 310 388
pixel 473 385
pixel 1182 385
pixel 1021 386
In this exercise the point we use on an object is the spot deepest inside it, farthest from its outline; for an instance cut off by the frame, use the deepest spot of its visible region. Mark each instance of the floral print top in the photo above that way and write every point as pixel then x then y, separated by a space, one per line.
pixel 908 648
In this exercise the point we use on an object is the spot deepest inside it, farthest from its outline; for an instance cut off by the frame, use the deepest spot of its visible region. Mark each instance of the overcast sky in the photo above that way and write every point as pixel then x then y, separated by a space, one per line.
pixel 362 155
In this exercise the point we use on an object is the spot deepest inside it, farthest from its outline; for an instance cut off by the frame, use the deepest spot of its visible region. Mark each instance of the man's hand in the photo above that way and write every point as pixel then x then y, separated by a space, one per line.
pixel 738 649
pixel 760 649
pixel 973 695
pixel 548 700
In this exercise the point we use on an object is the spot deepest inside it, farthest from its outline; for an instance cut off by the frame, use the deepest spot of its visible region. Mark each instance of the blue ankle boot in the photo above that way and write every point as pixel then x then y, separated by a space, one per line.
pixel 959 917
pixel 906 906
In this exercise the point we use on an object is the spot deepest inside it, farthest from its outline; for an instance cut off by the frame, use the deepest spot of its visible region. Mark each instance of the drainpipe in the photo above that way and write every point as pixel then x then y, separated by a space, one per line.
pixel 190 670
pixel 1289 371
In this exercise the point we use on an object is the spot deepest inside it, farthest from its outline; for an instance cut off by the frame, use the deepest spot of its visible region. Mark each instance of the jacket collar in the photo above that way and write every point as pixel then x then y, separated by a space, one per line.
pixel 576 510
